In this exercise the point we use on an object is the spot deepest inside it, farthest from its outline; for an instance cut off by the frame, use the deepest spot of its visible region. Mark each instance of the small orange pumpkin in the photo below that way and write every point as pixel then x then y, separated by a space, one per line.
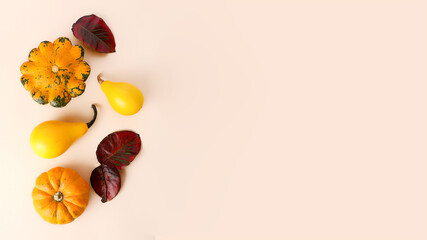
pixel 61 195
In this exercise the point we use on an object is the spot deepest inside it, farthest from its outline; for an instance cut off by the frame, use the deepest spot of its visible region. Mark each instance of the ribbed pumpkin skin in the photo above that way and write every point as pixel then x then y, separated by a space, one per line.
pixel 74 189
pixel 55 72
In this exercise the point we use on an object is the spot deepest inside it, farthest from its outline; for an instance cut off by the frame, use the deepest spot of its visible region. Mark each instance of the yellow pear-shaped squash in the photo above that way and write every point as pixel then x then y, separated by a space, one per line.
pixel 123 97
pixel 52 138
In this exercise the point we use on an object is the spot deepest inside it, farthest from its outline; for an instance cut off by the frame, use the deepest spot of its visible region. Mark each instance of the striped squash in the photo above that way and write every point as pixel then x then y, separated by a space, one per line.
pixel 55 72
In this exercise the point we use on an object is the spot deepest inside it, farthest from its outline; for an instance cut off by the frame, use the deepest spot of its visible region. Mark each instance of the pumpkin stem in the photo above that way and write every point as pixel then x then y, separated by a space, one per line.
pixel 100 80
pixel 95 113
pixel 55 68
pixel 58 196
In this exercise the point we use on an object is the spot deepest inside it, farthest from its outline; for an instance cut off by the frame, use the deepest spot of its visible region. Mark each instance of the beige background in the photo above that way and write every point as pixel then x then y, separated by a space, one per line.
pixel 263 119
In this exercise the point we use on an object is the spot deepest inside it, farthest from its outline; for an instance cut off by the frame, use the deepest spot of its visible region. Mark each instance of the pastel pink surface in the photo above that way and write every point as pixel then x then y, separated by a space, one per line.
pixel 262 119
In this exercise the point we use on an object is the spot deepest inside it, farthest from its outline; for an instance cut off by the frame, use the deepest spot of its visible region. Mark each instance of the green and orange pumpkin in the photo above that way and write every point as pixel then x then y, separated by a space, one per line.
pixel 55 72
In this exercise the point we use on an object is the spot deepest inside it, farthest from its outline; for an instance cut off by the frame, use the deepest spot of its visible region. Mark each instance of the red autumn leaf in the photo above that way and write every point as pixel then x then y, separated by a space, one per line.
pixel 106 182
pixel 119 149
pixel 94 32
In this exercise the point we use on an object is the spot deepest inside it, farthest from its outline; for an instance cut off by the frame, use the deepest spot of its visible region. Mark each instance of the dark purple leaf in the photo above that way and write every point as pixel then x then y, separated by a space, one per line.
pixel 119 149
pixel 106 182
pixel 94 32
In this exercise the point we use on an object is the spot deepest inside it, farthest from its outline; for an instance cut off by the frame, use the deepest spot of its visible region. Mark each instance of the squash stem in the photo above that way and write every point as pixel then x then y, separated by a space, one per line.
pixel 58 196
pixel 95 113
pixel 100 80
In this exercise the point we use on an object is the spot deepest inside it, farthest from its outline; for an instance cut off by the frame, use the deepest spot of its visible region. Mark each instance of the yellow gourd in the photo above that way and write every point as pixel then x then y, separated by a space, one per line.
pixel 123 97
pixel 52 138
